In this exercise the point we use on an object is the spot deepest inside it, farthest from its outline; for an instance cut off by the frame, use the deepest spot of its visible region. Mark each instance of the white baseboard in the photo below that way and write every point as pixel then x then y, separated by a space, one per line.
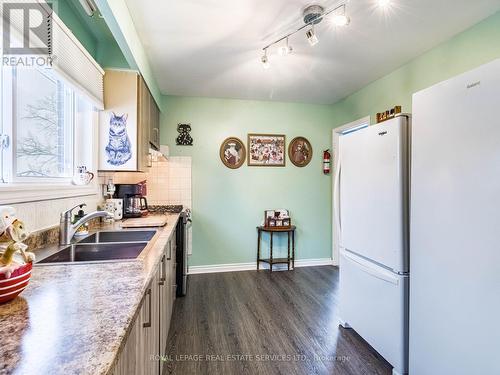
pixel 232 267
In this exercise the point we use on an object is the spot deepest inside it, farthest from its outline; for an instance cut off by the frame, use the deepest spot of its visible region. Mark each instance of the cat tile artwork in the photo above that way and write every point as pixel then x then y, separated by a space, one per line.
pixel 118 150
pixel 184 138
pixel 118 139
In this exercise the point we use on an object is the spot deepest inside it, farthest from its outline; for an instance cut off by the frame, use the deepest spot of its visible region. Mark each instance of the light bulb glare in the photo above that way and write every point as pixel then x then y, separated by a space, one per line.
pixel 384 3
pixel 341 20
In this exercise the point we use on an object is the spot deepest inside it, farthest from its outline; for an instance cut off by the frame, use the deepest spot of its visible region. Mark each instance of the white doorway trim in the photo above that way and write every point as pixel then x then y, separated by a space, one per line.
pixel 337 132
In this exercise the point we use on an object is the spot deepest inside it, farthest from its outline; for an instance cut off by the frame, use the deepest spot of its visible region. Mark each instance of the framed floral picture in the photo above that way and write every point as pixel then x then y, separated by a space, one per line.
pixel 300 151
pixel 266 150
pixel 232 152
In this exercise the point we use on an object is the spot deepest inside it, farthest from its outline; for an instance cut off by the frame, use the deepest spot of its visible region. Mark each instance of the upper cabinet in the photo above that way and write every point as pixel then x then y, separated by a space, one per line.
pixel 154 124
pixel 129 124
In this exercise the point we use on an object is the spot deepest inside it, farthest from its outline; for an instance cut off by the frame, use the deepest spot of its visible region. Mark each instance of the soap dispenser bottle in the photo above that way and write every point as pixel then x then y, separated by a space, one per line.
pixel 83 230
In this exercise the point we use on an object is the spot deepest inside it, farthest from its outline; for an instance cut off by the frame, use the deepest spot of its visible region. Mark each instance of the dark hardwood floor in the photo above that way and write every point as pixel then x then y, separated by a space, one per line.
pixel 255 322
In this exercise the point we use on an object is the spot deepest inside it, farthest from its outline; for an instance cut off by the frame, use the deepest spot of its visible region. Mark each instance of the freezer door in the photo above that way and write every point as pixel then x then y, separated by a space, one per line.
pixel 373 193
pixel 455 226
pixel 374 302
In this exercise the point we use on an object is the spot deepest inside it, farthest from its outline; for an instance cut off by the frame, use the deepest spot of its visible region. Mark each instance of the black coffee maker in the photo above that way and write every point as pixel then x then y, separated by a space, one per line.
pixel 135 203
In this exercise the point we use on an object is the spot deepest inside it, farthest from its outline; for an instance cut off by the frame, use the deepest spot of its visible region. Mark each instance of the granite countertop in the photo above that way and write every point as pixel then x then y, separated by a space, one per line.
pixel 73 318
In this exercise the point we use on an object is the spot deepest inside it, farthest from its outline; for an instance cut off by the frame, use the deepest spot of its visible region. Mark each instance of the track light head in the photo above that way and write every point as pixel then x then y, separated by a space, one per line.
pixel 265 60
pixel 341 20
pixel 285 50
pixel 311 37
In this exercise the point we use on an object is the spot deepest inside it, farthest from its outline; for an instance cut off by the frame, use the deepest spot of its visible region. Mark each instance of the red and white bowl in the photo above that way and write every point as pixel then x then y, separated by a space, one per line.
pixel 15 284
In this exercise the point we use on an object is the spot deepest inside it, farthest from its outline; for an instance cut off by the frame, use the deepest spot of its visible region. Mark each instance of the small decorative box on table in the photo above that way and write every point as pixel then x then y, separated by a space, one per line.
pixel 277 221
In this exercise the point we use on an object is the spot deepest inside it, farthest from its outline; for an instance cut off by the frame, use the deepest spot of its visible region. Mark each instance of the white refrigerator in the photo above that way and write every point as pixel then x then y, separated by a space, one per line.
pixel 371 212
pixel 455 226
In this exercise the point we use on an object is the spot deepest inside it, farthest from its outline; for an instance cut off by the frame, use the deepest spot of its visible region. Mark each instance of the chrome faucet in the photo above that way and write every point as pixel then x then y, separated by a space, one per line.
pixel 67 229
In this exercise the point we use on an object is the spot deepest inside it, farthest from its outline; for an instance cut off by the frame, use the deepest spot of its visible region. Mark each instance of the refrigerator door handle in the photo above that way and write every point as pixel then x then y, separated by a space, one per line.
pixel 336 199
pixel 372 269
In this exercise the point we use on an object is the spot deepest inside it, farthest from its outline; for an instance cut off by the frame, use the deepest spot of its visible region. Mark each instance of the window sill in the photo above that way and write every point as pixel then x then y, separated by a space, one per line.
pixel 24 193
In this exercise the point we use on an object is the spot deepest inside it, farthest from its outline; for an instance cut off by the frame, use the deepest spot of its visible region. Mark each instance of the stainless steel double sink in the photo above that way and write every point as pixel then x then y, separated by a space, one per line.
pixel 103 246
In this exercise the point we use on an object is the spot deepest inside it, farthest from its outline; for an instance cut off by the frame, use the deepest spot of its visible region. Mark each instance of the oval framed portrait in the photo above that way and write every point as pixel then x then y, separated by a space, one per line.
pixel 300 151
pixel 232 152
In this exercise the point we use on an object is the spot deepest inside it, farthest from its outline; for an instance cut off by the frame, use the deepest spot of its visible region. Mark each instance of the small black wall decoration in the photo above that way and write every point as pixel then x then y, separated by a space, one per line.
pixel 184 138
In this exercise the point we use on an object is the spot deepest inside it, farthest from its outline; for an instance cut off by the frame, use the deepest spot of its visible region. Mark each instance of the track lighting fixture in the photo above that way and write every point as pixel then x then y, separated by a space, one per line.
pixel 265 60
pixel 312 15
pixel 311 37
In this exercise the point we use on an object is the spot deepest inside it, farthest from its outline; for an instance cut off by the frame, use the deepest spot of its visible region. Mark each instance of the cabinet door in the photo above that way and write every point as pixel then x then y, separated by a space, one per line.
pixel 168 292
pixel 149 338
pixel 174 266
pixel 152 129
pixel 128 361
pixel 157 125
pixel 164 302
pixel 155 325
pixel 141 350
pixel 121 108
pixel 154 126
pixel 144 157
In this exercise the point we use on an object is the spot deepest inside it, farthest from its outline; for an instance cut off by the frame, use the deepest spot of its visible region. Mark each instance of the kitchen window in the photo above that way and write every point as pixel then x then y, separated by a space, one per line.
pixel 48 118
pixel 47 126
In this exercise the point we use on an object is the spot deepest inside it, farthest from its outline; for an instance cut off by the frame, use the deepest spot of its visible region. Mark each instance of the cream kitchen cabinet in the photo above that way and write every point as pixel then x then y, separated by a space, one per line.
pixel 154 125
pixel 167 291
pixel 147 338
pixel 125 126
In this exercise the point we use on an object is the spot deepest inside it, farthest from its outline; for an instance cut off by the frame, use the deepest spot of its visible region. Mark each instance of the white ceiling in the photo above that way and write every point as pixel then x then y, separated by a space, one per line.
pixel 213 47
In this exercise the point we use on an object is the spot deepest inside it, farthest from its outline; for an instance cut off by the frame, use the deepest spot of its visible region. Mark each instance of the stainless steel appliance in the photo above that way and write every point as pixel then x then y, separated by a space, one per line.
pixel 182 242
pixel 135 203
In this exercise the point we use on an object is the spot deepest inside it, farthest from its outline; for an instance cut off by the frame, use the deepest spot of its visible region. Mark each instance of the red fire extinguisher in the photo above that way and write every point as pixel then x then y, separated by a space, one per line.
pixel 326 161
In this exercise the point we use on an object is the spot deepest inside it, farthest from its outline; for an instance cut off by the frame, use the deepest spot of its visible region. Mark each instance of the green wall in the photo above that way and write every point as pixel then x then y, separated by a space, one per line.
pixel 229 204
pixel 472 48
pixel 66 11
pixel 93 33
pixel 121 24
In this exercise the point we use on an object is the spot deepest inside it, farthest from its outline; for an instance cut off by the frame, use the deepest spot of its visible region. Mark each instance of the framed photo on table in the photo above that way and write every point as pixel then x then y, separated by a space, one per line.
pixel 266 150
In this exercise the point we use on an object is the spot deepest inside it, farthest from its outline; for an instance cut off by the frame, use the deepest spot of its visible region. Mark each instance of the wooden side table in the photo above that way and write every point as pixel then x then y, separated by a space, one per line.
pixel 291 234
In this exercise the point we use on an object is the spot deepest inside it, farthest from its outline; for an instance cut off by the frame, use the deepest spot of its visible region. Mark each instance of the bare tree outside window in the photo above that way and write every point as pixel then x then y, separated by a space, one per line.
pixel 44 127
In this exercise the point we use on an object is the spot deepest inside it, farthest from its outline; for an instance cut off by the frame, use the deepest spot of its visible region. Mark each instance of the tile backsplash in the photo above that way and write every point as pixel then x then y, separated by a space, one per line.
pixel 45 214
pixel 169 182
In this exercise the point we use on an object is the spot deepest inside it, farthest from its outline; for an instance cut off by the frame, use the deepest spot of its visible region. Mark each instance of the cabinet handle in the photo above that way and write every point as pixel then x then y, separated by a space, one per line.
pixel 169 250
pixel 148 324
pixel 163 271
pixel 157 135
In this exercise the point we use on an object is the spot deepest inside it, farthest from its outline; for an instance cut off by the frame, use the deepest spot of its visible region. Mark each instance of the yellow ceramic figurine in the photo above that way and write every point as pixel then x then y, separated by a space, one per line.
pixel 12 233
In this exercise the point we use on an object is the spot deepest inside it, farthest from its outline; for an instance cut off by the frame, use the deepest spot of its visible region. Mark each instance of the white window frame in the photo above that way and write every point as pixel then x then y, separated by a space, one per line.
pixel 27 189
pixel 336 134
pixel 88 83
pixel 11 160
